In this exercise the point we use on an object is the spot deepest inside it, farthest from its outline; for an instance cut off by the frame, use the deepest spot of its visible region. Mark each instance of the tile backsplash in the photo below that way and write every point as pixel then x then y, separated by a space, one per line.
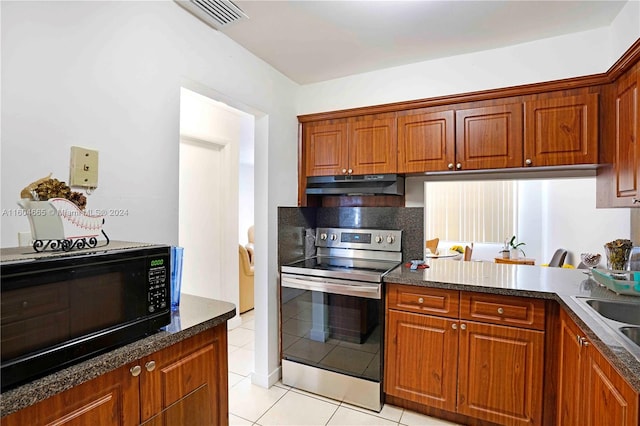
pixel 296 223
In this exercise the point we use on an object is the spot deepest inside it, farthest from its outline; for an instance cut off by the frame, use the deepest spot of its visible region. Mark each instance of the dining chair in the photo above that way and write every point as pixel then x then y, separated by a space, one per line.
pixel 432 245
pixel 558 258
pixel 468 250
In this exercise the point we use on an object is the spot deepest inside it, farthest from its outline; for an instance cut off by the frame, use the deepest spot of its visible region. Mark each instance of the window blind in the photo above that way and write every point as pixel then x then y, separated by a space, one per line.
pixel 483 211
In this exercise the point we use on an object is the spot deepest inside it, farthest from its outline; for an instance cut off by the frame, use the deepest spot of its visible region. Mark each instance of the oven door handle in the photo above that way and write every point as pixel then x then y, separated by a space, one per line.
pixel 325 285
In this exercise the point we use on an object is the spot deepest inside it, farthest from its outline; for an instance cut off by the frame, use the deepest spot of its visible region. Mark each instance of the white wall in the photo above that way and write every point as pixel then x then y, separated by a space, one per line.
pixel 245 199
pixel 561 213
pixel 107 75
pixel 584 53
pixel 549 59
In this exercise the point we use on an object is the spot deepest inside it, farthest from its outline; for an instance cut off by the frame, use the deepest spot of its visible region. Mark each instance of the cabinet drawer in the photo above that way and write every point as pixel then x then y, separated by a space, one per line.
pixel 423 300
pixel 505 310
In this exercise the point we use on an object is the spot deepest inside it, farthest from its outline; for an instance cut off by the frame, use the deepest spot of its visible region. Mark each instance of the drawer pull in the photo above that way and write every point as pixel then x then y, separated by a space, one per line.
pixel 463 326
pixel 500 311
pixel 150 366
pixel 454 326
pixel 420 300
pixel 136 370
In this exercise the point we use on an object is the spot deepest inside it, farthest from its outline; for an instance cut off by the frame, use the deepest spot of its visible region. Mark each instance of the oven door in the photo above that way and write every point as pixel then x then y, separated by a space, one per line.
pixel 333 325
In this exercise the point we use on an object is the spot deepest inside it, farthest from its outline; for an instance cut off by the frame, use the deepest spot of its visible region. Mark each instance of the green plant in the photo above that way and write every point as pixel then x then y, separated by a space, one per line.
pixel 515 245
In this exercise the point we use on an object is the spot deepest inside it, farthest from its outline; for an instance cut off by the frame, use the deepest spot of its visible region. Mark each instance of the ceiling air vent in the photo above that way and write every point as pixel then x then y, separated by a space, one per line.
pixel 216 13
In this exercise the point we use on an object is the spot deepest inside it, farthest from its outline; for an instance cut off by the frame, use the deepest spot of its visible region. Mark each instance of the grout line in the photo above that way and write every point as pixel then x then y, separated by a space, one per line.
pixel 272 405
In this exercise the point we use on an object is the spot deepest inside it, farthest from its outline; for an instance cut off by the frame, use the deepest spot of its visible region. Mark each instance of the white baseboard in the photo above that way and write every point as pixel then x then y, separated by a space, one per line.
pixel 266 381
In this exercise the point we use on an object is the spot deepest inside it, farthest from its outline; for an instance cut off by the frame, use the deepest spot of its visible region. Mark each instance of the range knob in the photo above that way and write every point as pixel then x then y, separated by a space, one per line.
pixel 379 239
pixel 390 239
pixel 333 237
pixel 323 236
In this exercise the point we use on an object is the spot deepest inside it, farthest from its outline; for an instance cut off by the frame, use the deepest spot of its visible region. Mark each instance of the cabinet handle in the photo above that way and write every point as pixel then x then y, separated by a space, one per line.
pixel 463 326
pixel 500 311
pixel 458 166
pixel 350 171
pixel 454 326
pixel 584 341
pixel 450 166
pixel 635 200
pixel 420 300
pixel 528 162
pixel 150 366
pixel 136 370
pixel 344 171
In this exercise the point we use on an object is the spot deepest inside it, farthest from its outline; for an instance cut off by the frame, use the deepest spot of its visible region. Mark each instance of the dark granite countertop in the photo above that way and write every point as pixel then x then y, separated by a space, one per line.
pixel 566 286
pixel 196 314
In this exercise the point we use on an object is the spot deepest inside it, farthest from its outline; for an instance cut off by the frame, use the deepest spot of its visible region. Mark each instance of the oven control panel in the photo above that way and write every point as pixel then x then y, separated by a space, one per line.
pixel 366 239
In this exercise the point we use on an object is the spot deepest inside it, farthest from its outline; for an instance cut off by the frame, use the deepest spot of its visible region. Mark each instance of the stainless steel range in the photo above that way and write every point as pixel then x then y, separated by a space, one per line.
pixel 333 314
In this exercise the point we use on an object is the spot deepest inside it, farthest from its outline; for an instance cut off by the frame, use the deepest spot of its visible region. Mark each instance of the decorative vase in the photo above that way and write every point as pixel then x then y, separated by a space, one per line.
pixel 617 258
pixel 505 254
pixel 514 253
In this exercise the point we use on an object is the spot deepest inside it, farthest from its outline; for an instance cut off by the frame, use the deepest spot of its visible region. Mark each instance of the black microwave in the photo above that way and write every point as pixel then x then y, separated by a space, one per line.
pixel 60 309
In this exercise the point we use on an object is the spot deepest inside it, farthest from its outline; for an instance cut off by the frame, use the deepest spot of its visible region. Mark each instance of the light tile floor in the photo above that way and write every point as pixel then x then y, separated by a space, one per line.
pixel 281 405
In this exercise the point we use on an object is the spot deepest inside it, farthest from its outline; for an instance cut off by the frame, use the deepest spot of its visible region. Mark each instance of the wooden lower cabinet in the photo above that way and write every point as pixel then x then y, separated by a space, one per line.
pixel 422 354
pixel 183 384
pixel 500 373
pixel 110 399
pixel 486 372
pixel 590 391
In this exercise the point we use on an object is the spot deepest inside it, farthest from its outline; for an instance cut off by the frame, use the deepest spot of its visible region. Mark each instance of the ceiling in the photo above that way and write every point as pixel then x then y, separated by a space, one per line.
pixel 311 41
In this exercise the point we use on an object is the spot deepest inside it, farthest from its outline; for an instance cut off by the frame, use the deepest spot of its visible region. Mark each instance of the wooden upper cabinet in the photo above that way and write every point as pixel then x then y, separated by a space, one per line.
pixel 326 149
pixel 627 153
pixel 426 142
pixel 489 137
pixel 561 131
pixel 372 145
pixel 361 145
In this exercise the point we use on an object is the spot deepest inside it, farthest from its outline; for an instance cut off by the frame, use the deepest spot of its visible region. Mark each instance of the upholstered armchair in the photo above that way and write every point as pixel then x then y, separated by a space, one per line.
pixel 245 280
pixel 249 245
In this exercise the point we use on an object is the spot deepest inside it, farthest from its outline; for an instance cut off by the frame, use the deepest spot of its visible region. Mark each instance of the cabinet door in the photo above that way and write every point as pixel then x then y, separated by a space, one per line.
pixel 608 399
pixel 373 145
pixel 426 142
pixel 561 131
pixel 489 137
pixel 194 369
pixel 500 373
pixel 421 357
pixel 326 149
pixel 627 153
pixel 110 399
pixel 571 367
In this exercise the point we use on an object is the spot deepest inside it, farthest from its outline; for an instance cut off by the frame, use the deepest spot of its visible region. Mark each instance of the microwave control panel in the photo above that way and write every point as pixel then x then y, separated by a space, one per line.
pixel 158 295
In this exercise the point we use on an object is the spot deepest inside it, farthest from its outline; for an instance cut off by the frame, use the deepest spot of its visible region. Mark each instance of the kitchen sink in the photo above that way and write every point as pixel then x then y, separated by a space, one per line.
pixel 632 333
pixel 622 318
pixel 625 312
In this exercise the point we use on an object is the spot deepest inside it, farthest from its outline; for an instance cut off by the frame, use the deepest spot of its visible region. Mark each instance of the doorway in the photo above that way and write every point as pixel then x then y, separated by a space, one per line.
pixel 212 135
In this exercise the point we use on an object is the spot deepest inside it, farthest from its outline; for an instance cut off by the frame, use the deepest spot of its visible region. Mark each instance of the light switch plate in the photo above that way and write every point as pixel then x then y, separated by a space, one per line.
pixel 84 167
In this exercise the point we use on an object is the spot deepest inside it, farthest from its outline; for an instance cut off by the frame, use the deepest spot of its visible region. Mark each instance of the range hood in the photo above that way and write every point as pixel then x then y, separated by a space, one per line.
pixel 384 184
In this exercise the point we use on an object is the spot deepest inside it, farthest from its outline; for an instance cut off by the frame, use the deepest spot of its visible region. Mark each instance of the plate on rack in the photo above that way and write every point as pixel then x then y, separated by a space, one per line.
pixel 611 280
pixel 449 254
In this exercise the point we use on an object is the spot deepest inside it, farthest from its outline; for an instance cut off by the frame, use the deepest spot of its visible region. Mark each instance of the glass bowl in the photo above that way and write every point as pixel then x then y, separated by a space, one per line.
pixel 590 260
